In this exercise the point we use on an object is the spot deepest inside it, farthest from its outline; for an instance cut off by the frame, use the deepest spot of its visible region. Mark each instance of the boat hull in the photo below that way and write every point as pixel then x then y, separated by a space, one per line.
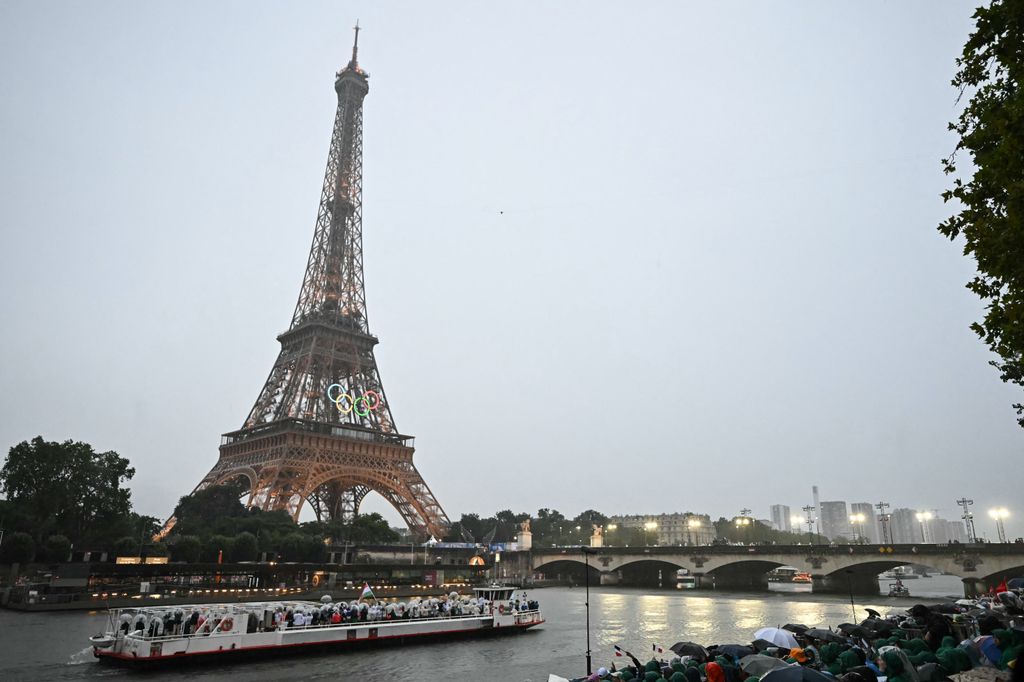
pixel 304 641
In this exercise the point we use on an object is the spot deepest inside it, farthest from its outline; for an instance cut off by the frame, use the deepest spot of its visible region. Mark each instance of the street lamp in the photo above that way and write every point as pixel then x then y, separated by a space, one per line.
pixel 611 527
pixel 578 528
pixel 586 553
pixel 692 526
pixel 857 521
pixel 649 526
pixel 1000 513
pixel 921 518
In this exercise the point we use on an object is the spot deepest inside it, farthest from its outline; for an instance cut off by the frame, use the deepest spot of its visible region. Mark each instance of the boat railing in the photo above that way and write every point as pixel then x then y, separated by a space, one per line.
pixel 322 626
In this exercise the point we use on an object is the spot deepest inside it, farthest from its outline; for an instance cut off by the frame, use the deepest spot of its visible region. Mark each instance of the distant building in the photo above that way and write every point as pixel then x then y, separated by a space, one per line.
pixel 868 529
pixel 780 518
pixel 670 529
pixel 955 531
pixel 835 522
pixel 904 526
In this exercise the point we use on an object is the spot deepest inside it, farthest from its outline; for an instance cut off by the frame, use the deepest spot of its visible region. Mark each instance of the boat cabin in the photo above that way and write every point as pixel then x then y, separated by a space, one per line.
pixel 495 593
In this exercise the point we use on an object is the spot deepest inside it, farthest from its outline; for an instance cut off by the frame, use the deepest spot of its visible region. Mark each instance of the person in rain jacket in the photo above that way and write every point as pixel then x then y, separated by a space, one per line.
pixel 891 663
pixel 714 672
pixel 1009 645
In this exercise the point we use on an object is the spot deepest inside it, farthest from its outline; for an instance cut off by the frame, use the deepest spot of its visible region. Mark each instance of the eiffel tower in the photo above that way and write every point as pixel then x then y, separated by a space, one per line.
pixel 321 431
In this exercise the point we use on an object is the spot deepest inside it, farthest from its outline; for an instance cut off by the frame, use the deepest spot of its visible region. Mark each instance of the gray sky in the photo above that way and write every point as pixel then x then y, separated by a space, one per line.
pixel 716 280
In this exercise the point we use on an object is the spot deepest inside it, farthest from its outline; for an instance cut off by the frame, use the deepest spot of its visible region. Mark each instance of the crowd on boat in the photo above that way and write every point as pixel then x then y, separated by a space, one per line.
pixel 270 616
pixel 963 641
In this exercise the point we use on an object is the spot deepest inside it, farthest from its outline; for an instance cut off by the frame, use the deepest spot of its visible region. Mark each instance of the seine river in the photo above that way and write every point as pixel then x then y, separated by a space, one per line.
pixel 45 646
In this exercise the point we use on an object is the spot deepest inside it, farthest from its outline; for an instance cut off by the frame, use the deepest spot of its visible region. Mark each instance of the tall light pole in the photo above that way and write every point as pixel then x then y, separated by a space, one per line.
pixel 1000 513
pixel 610 528
pixel 923 518
pixel 857 521
pixel 742 523
pixel 648 527
pixel 692 526
pixel 798 521
pixel 968 517
pixel 586 560
pixel 883 520
pixel 810 520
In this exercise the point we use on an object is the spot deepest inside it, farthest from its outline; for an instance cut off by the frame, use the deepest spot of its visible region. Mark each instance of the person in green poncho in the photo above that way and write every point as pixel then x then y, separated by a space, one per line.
pixel 848 660
pixel 1010 644
pixel 891 664
pixel 830 658
pixel 677 676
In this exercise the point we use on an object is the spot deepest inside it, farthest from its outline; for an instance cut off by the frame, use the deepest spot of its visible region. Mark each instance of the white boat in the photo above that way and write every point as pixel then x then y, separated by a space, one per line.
pixel 177 633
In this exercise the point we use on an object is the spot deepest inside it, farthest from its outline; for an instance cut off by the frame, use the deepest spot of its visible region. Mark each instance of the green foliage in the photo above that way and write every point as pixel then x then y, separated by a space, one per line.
pixel 58 547
pixel 365 529
pixel 292 547
pixel 245 547
pixel 18 548
pixel 214 545
pixel 187 548
pixel 211 510
pixel 991 201
pixel 67 488
pixel 126 546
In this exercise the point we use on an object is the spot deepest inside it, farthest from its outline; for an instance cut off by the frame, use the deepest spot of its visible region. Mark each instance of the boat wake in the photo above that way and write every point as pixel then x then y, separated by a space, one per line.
pixel 83 656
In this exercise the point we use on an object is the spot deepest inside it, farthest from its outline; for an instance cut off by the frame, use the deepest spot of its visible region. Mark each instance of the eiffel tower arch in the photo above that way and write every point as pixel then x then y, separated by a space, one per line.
pixel 321 431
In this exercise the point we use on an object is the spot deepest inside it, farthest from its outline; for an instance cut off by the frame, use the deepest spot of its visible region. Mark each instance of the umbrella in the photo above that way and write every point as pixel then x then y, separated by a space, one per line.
pixel 762 644
pixel 823 635
pixel 854 630
pixel 795 673
pixel 734 650
pixel 757 665
pixel 796 627
pixel 778 637
pixel 690 649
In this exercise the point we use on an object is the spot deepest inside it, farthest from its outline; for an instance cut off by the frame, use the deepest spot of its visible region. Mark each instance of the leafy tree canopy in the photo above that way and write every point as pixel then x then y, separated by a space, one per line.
pixel 991 201
pixel 67 488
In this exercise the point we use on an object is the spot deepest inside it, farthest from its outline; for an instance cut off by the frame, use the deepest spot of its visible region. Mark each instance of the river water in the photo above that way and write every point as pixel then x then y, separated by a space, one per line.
pixel 48 646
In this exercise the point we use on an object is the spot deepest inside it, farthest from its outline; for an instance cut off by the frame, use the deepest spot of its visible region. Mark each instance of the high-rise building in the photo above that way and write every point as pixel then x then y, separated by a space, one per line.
pixel 955 531
pixel 780 517
pixel 866 530
pixel 835 522
pixel 904 526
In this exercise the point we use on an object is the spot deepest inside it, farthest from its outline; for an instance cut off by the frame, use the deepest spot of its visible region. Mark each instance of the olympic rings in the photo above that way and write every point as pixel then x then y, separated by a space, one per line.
pixel 346 402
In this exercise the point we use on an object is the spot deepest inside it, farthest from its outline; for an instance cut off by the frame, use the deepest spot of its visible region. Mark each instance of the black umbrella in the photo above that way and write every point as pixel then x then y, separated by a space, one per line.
pixel 762 644
pixel 690 649
pixel 823 635
pixel 734 650
pixel 796 627
pixel 795 673
pixel 852 630
pixel 757 665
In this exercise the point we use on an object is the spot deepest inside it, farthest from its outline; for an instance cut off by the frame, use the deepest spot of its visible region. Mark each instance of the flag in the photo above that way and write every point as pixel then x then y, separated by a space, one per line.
pixel 367 592
pixel 618 650
pixel 657 649
pixel 1002 587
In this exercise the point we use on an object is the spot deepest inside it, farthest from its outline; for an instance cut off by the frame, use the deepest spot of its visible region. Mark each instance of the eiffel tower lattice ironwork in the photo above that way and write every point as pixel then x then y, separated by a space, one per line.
pixel 321 431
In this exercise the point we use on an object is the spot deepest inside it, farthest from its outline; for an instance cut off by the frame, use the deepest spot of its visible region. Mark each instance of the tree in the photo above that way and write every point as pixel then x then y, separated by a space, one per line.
pixel 187 548
pixel 215 545
pixel 292 547
pixel 18 548
pixel 126 546
pixel 244 546
pixel 67 488
pixel 58 547
pixel 210 510
pixel 991 215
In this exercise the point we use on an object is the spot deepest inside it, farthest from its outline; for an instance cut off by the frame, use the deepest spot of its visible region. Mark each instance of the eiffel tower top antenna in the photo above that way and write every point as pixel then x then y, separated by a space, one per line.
pixel 355 45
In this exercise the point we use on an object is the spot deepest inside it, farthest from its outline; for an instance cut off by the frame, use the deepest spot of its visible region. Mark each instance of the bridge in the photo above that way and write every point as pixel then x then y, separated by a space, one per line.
pixel 835 569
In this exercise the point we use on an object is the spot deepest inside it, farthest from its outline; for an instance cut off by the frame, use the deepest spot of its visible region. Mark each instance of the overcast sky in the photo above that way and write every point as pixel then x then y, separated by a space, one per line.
pixel 641 258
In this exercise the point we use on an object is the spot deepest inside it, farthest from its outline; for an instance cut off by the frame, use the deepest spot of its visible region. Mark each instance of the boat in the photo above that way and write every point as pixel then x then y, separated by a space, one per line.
pixel 897 589
pixel 802 578
pixel 165 634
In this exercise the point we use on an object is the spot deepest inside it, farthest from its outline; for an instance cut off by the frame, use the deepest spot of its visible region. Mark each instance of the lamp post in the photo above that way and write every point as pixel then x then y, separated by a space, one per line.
pixel 1000 513
pixel 611 527
pixel 648 527
pixel 922 518
pixel 968 517
pixel 857 521
pixel 692 526
pixel 810 520
pixel 579 534
pixel 883 520
pixel 742 523
pixel 586 560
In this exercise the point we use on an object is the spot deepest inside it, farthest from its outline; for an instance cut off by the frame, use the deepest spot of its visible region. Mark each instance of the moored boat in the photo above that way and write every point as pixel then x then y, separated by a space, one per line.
pixel 175 633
